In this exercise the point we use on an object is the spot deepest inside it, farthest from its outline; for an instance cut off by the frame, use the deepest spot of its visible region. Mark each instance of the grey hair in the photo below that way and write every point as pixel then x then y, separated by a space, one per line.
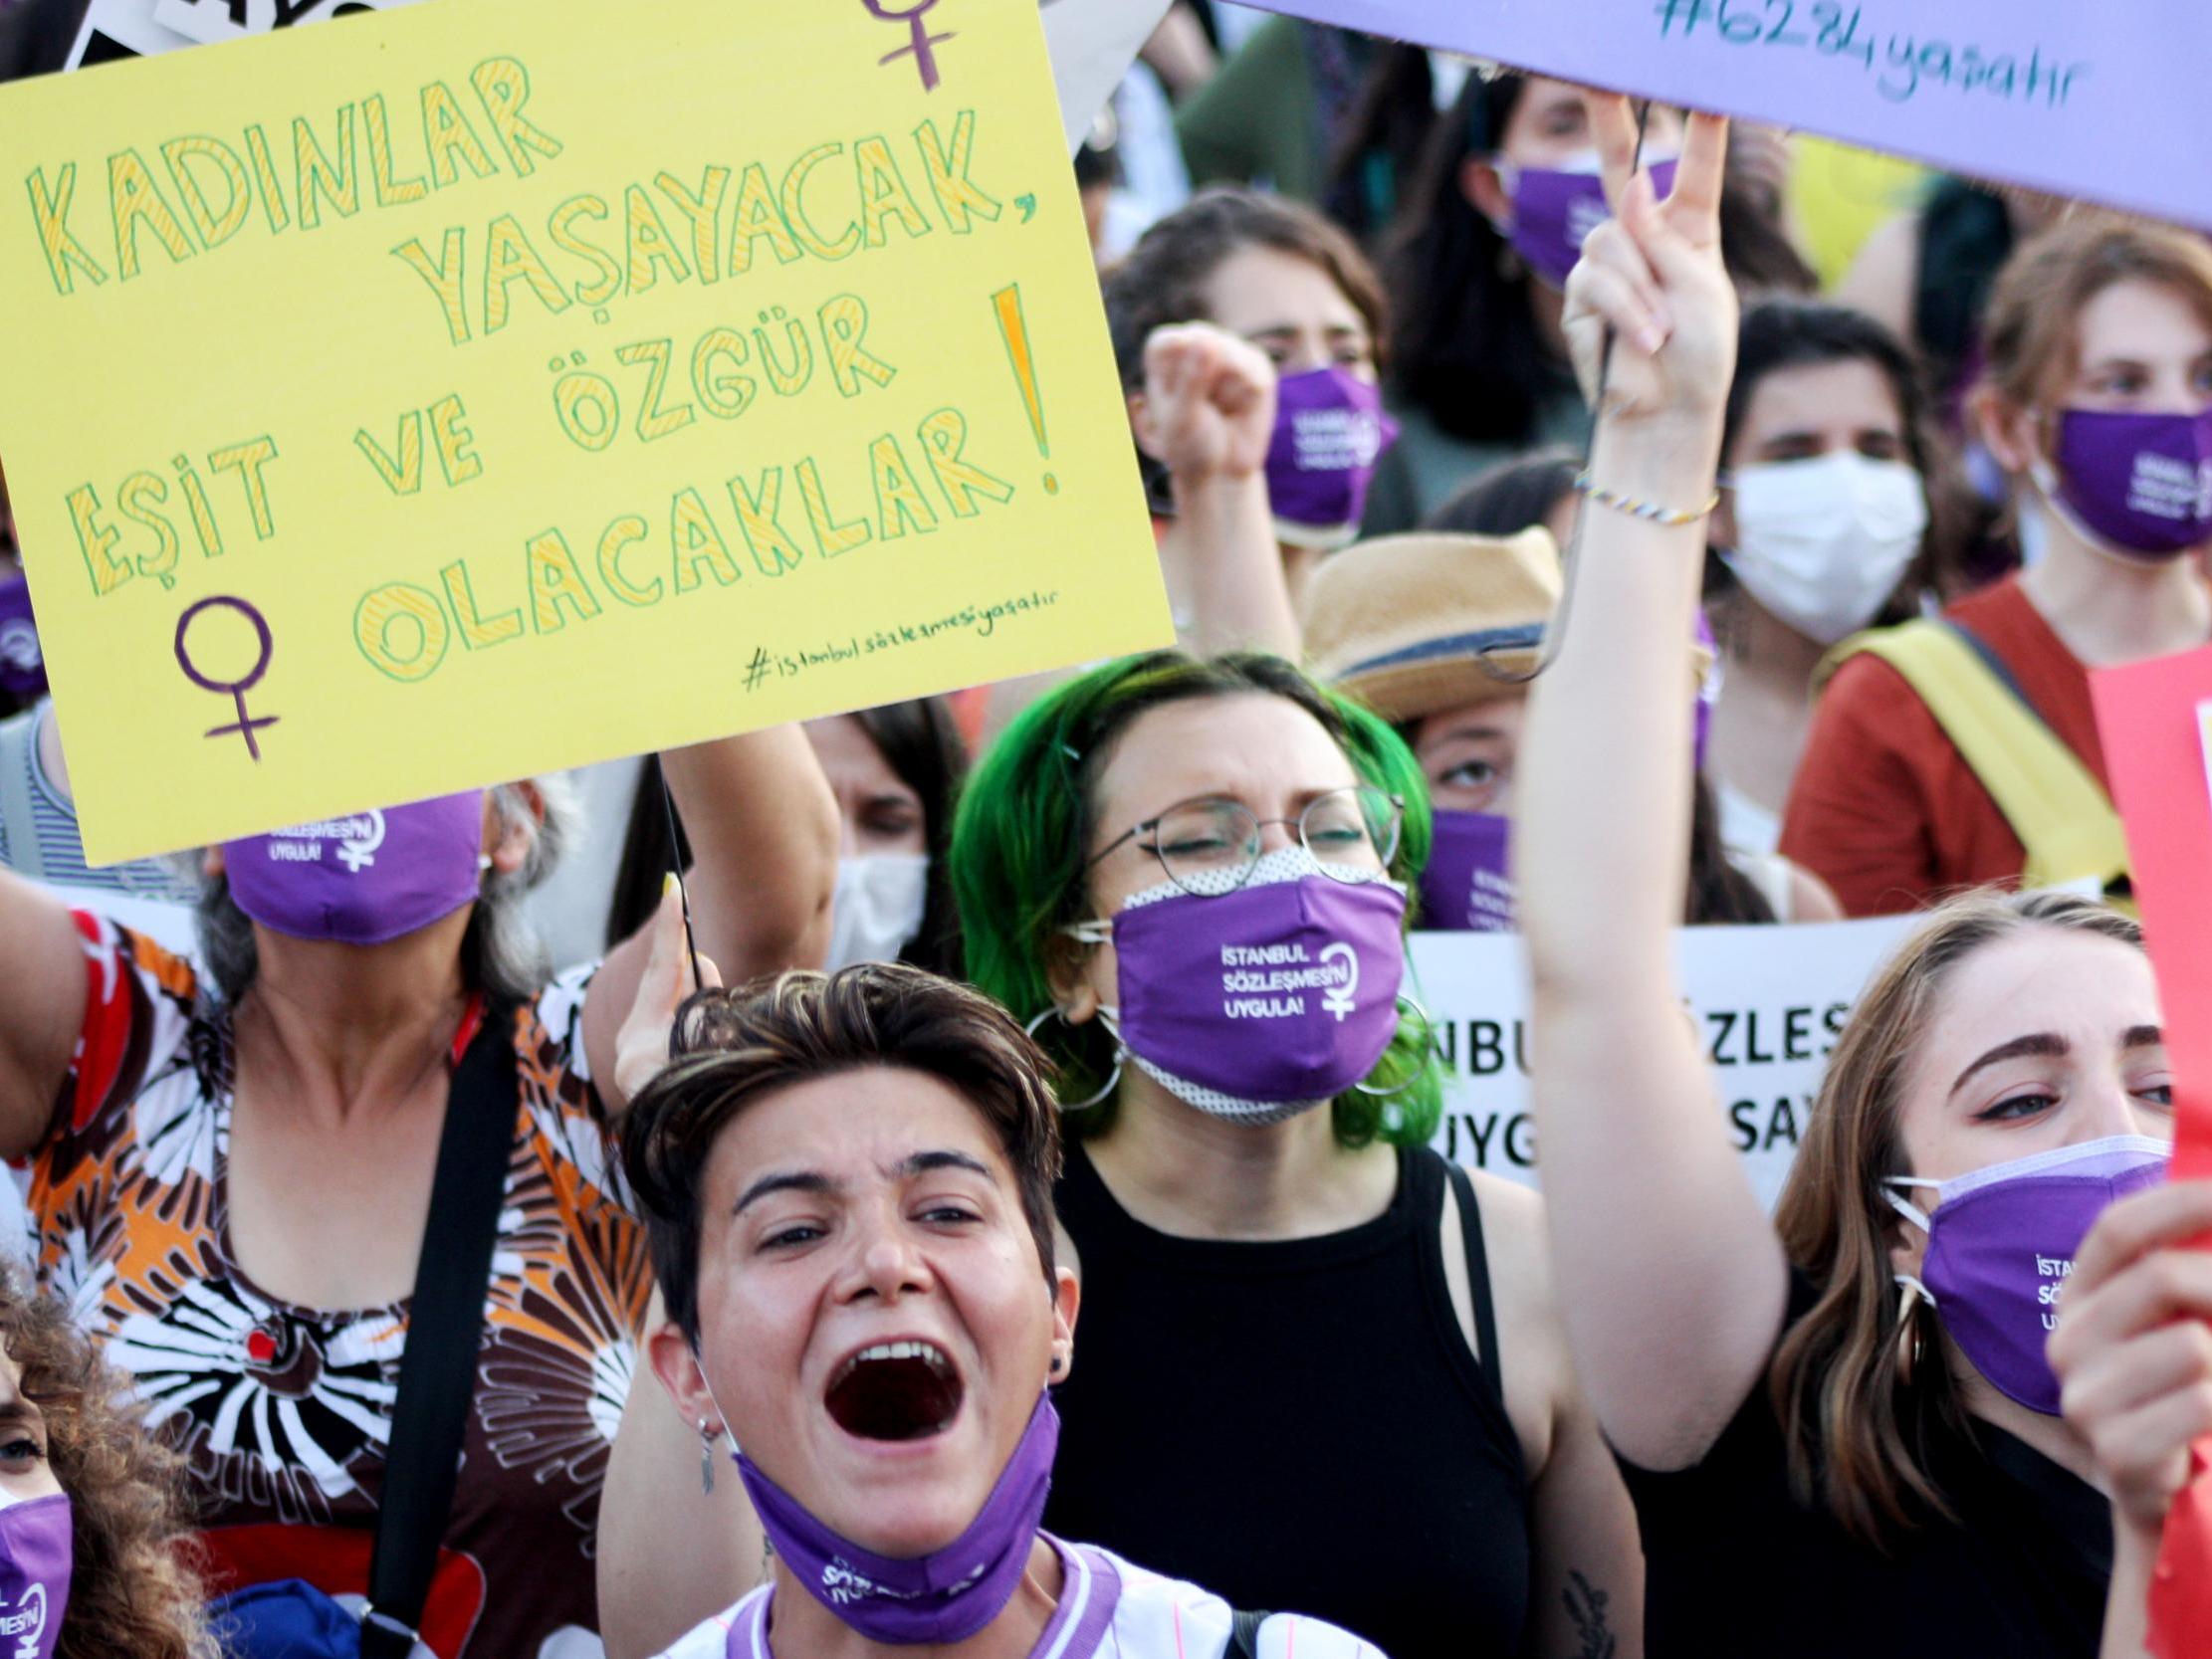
pixel 501 953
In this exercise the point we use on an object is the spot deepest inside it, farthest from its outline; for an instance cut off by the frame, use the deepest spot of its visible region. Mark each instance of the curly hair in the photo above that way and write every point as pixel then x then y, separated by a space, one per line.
pixel 132 1589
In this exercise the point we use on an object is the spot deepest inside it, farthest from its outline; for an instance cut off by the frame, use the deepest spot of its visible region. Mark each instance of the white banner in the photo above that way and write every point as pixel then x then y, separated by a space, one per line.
pixel 1768 1004
pixel 1094 43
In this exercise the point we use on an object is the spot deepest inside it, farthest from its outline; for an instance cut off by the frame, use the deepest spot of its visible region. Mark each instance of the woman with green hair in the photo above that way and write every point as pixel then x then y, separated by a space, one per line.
pixel 1191 876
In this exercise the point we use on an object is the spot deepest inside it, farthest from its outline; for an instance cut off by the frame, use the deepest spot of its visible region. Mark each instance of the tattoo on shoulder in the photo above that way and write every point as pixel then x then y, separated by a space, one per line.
pixel 1586 1605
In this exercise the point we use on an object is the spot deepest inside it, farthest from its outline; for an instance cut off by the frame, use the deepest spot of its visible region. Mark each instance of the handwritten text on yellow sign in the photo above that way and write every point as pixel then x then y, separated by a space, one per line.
pixel 467 390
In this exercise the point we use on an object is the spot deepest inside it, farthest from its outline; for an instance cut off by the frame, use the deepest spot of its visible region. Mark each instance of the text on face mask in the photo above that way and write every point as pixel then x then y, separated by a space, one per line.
pixel 2057 1269
pixel 1246 995
pixel 2168 489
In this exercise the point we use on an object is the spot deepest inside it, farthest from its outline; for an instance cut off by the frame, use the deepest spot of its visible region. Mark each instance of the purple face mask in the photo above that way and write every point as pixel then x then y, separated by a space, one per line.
pixel 943 1596
pixel 22 663
pixel 1555 208
pixel 1329 430
pixel 1464 887
pixel 36 1556
pixel 1263 1002
pixel 2141 484
pixel 2001 1245
pixel 364 879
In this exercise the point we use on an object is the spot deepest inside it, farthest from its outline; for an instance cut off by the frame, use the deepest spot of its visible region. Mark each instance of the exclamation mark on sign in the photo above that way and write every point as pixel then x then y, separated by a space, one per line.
pixel 1015 330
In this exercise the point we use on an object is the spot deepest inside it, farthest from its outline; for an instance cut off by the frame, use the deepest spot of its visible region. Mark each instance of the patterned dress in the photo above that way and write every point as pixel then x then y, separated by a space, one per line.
pixel 281 1411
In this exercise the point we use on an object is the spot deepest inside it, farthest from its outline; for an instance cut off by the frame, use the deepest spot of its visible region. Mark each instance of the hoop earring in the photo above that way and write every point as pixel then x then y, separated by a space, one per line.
pixel 1113 1078
pixel 1429 1036
pixel 1912 1341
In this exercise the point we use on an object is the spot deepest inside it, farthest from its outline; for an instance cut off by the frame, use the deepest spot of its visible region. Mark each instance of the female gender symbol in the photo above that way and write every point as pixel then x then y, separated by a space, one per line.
pixel 913 17
pixel 238 689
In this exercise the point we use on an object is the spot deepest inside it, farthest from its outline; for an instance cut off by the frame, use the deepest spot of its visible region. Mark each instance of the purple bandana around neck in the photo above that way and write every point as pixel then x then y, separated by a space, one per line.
pixel 1554 210
pixel 37 1556
pixel 1329 431
pixel 22 663
pixel 363 879
pixel 1283 991
pixel 2001 1244
pixel 943 1596
pixel 1466 886
pixel 2142 483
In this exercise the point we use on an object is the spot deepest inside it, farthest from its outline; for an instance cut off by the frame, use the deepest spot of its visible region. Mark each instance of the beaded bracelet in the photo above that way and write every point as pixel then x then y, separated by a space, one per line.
pixel 1651 510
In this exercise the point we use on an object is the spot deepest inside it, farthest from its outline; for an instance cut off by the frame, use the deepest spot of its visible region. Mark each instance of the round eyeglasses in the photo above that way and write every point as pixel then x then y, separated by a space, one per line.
pixel 1211 847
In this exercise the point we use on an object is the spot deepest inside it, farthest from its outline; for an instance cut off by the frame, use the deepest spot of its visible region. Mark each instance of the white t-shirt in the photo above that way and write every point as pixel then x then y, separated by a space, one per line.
pixel 1108 1609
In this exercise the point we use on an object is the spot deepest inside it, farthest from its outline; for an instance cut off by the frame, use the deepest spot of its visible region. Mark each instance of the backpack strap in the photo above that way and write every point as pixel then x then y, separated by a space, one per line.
pixel 445 1330
pixel 19 827
pixel 2053 804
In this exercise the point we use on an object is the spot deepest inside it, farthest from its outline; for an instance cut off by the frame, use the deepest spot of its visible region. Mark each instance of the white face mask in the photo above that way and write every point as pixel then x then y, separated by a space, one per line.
pixel 878 907
pixel 1822 543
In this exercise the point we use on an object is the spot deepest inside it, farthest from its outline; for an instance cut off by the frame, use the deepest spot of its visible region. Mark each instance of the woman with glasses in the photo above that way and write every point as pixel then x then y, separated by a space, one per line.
pixel 1192 875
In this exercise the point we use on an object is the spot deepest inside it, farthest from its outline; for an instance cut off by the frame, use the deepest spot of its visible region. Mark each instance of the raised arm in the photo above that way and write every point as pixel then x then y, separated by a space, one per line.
pixel 673 1549
pixel 1669 1276
pixel 42 1008
pixel 764 838
pixel 1209 412
pixel 2135 1371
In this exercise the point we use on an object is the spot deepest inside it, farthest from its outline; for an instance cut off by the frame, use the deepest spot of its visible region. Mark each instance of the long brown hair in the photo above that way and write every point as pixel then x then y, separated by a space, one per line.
pixel 1857 1435
pixel 132 1590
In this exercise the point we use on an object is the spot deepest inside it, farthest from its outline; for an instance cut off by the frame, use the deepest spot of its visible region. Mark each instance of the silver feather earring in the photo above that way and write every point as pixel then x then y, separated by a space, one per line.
pixel 706 1439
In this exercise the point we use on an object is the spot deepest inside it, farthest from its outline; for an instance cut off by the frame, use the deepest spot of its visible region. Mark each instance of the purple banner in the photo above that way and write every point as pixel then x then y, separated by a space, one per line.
pixel 2102 102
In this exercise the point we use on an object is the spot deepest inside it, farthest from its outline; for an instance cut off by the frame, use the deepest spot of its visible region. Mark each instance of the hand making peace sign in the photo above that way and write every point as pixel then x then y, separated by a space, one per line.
pixel 1652 273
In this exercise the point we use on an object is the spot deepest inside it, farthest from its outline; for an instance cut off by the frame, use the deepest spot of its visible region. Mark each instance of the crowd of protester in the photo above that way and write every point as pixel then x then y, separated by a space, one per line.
pixel 1550 551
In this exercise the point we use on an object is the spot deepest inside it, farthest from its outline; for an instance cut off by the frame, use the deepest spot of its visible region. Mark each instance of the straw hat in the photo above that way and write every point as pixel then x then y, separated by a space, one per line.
pixel 1407 623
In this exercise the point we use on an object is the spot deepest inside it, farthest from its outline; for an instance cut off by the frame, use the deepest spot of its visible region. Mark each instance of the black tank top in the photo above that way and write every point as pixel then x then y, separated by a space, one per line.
pixel 1298 1426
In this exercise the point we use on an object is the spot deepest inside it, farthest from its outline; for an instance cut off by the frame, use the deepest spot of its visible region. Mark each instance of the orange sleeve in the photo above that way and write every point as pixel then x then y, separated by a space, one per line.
pixel 127 979
pixel 1859 816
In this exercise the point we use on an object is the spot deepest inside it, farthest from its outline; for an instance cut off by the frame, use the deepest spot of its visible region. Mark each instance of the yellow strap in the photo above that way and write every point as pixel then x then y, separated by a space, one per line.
pixel 2053 804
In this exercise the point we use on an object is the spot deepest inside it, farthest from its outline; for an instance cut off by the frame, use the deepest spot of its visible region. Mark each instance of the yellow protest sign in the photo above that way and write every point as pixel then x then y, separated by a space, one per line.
pixel 462 391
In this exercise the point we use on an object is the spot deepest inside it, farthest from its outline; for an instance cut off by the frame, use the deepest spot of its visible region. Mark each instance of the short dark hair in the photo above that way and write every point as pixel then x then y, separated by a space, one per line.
pixel 730 1048
pixel 1787 332
pixel 1784 332
pixel 1506 499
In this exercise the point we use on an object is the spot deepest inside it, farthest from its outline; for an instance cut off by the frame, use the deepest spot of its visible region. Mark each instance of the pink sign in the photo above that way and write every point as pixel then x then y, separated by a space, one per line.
pixel 2153 718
